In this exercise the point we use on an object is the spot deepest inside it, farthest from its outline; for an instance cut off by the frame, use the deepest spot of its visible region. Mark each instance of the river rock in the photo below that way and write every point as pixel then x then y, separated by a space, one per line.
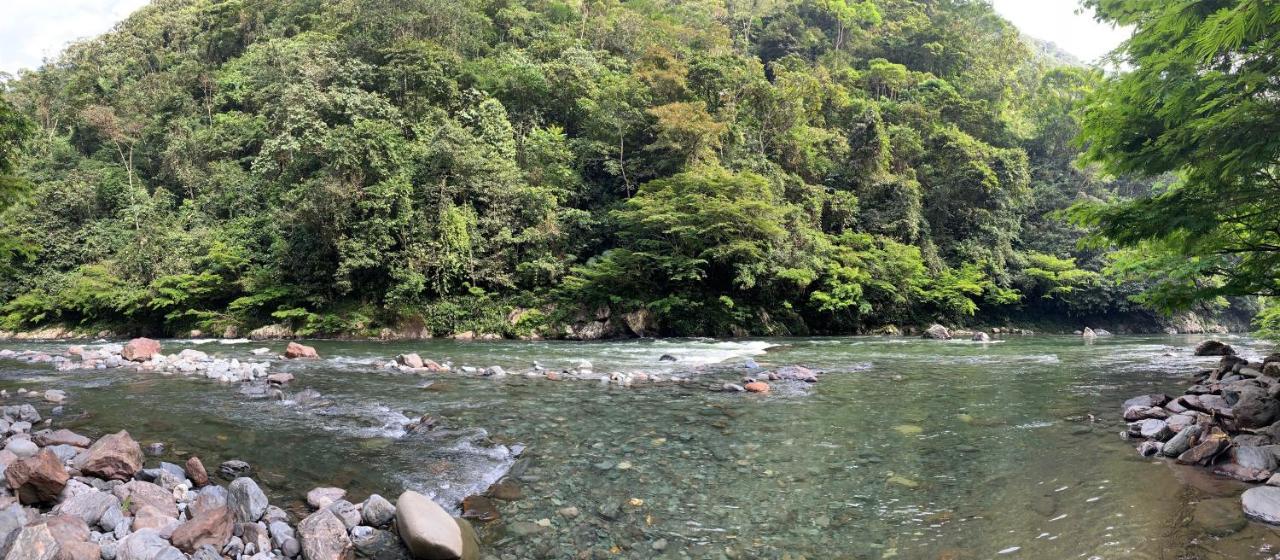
pixel 1208 448
pixel 295 351
pixel 21 448
pixel 89 505
pixel 376 544
pixel 61 437
pixel 1135 413
pixel 479 508
pixel 280 378
pixel 140 349
pixel 37 479
pixel 1214 348
pixel 1253 408
pixel 33 542
pixel 324 537
pixel 981 337
pixel 320 498
pixel 1262 503
pixel 346 512
pixel 194 469
pixel 246 500
pixel 113 457
pixel 1148 401
pixel 234 468
pixel 1154 429
pixel 428 530
pixel 211 527
pixel 1181 442
pixel 138 493
pixel 150 517
pixel 377 511
pixel 937 332
pixel 146 544
pixel 756 387
pixel 410 360
pixel 55 396
pixel 12 519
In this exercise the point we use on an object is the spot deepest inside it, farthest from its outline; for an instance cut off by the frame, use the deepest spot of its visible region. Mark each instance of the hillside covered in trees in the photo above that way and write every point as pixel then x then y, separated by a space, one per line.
pixel 699 166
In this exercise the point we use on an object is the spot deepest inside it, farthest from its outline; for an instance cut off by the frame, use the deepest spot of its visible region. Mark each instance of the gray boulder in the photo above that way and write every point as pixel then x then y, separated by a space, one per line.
pixel 246 500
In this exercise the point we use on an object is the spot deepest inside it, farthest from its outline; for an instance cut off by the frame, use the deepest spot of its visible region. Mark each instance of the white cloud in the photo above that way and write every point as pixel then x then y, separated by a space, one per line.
pixel 1057 21
pixel 34 30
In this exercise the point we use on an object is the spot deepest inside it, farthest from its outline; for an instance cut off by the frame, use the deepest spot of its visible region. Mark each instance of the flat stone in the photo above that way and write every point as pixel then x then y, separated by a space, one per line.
pixel 138 494
pixel 1262 503
pixel 61 437
pixel 320 498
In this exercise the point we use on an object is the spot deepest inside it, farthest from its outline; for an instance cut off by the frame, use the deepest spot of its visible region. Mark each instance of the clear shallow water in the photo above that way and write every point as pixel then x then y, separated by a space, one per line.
pixel 906 448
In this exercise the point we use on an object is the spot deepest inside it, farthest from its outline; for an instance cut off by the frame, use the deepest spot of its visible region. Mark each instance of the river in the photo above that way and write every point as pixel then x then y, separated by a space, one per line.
pixel 906 448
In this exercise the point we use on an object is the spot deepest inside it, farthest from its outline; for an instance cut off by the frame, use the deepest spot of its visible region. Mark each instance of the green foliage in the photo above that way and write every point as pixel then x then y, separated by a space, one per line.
pixel 1197 104
pixel 781 167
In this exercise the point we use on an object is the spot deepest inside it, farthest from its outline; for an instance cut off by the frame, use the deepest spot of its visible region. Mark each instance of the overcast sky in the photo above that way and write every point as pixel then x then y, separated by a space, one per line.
pixel 33 30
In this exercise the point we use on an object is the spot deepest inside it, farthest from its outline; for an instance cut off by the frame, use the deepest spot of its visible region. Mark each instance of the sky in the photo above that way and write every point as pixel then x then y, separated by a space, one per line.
pixel 1057 21
pixel 33 30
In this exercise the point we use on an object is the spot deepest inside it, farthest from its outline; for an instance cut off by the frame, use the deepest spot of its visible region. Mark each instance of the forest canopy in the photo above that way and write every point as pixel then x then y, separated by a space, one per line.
pixel 708 167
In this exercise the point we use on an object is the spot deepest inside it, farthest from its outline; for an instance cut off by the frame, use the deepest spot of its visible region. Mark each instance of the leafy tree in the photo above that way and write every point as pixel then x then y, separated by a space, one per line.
pixel 1198 102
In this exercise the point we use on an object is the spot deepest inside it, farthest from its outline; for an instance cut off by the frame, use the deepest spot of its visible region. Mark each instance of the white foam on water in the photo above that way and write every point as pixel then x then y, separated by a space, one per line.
pixel 234 341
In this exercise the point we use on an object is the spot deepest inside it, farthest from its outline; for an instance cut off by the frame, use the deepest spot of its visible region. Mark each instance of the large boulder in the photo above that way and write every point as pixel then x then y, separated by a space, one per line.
pixel 295 351
pixel 211 527
pixel 428 530
pixel 246 500
pixel 1214 348
pixel 146 544
pixel 140 349
pixel 113 457
pixel 37 479
pixel 937 332
pixel 88 505
pixel 324 537
pixel 410 361
pixel 1262 503
pixel 138 494
pixel 33 542
pixel 1252 407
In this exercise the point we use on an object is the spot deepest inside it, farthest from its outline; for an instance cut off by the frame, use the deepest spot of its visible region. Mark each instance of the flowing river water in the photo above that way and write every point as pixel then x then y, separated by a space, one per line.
pixel 906 448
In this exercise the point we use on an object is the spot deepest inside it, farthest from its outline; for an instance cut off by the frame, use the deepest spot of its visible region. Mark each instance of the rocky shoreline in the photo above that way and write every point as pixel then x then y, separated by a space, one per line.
pixel 66 497
pixel 1227 421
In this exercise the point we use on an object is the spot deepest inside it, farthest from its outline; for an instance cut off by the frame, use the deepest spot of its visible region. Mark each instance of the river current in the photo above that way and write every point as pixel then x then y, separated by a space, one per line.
pixel 905 448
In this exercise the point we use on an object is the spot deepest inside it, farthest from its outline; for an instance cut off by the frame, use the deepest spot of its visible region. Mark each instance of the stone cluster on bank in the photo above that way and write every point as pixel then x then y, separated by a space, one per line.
pixel 1227 421
pixel 66 497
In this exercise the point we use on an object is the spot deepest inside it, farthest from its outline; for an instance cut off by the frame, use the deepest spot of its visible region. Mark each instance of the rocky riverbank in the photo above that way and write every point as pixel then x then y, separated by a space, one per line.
pixel 1227 421
pixel 66 497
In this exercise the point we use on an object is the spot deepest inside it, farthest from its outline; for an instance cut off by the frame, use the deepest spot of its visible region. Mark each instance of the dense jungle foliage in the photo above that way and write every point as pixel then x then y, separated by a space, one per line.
pixel 812 166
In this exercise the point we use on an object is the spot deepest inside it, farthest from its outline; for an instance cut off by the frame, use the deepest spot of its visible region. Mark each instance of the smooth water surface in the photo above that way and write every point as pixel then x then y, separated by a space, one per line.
pixel 906 448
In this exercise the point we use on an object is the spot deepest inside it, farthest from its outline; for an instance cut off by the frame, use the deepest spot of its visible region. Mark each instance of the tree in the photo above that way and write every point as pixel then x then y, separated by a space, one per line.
pixel 1199 102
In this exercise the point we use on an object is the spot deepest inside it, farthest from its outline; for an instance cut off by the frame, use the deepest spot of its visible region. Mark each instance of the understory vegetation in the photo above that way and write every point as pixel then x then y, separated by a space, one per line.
pixel 773 167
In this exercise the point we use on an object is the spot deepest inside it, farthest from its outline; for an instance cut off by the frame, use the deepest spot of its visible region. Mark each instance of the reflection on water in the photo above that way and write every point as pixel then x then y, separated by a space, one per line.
pixel 906 448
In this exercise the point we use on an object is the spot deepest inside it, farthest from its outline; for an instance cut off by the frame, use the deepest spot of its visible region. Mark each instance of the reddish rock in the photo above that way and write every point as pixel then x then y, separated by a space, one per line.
pixel 195 472
pixel 67 529
pixel 140 349
pixel 212 527
pixel 295 350
pixel 37 479
pixel 479 508
pixel 757 387
pixel 113 457
pixel 79 551
pixel 150 517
